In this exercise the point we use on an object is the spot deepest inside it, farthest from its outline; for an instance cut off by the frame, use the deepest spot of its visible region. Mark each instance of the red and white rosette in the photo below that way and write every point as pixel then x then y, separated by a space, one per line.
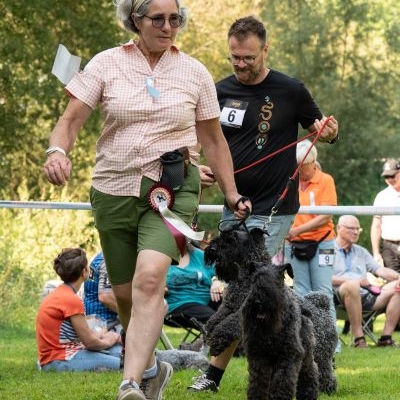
pixel 159 195
pixel 161 199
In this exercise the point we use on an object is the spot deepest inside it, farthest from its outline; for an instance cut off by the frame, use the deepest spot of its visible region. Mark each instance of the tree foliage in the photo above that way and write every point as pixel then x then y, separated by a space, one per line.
pixel 346 52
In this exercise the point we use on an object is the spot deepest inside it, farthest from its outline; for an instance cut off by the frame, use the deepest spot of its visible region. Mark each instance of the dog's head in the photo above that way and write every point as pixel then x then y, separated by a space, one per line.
pixel 266 300
pixel 275 273
pixel 233 250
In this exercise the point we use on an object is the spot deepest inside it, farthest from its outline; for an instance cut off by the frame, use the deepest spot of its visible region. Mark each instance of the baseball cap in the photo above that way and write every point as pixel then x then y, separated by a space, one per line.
pixel 391 167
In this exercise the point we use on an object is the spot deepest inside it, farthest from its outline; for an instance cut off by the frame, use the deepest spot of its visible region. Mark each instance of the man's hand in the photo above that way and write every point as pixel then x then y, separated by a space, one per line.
pixel 241 206
pixel 330 130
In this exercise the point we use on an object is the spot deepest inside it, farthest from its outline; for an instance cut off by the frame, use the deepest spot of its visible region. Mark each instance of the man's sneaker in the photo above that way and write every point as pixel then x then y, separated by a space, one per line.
pixel 128 392
pixel 202 383
pixel 387 343
pixel 153 387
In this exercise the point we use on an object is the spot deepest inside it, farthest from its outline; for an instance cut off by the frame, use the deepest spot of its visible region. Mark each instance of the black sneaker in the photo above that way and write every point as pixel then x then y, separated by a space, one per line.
pixel 202 383
pixel 387 343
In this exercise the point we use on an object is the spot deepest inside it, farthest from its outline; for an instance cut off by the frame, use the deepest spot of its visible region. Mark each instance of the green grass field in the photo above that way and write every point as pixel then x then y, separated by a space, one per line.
pixel 363 374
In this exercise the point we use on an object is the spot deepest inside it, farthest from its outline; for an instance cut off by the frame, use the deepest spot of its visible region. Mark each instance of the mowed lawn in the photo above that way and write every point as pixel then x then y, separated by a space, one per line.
pixel 363 374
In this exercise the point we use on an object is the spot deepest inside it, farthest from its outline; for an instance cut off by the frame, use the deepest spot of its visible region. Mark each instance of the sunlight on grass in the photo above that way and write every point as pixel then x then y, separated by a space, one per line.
pixel 363 374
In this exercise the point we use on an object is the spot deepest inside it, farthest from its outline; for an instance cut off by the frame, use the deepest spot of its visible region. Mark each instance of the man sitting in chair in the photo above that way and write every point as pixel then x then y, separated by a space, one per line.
pixel 354 291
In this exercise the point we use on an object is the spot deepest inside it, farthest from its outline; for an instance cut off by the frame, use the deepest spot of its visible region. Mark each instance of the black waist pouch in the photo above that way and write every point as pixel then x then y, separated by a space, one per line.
pixel 174 168
pixel 305 249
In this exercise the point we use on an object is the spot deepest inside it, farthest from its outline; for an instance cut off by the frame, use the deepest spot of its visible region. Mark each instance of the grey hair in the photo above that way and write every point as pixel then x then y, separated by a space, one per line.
pixel 301 150
pixel 344 218
pixel 125 9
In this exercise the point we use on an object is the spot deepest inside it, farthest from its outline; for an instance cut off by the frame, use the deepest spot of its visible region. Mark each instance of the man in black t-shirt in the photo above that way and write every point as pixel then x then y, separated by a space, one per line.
pixel 261 110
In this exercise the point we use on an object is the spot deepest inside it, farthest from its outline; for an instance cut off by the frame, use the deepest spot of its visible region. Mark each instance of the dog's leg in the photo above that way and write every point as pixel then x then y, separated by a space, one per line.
pixel 308 383
pixel 284 380
pixel 259 380
pixel 228 331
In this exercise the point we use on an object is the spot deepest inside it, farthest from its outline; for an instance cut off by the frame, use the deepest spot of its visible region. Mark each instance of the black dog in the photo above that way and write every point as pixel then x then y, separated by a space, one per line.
pixel 278 339
pixel 238 255
pixel 230 253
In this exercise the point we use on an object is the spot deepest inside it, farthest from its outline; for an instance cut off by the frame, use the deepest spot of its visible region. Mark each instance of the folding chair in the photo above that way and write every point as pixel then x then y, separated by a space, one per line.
pixel 192 327
pixel 164 339
pixel 368 318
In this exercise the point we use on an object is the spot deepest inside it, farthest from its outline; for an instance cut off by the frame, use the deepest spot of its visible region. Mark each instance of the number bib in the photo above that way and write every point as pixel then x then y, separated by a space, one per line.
pixel 233 113
pixel 326 257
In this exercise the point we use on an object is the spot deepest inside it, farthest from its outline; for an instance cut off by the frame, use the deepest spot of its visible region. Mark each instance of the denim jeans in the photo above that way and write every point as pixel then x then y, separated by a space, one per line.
pixel 86 360
pixel 277 228
pixel 310 276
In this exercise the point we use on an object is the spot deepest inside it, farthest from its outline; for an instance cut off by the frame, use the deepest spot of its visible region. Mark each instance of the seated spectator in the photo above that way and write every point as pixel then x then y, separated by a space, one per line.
pixel 98 297
pixel 350 283
pixel 192 288
pixel 65 341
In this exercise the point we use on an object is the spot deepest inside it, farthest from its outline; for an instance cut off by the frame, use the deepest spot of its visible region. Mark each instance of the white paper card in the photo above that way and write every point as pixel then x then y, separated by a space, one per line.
pixel 65 64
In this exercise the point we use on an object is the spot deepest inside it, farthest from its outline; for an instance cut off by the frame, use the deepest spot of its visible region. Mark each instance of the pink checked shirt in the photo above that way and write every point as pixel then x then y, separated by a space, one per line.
pixel 138 127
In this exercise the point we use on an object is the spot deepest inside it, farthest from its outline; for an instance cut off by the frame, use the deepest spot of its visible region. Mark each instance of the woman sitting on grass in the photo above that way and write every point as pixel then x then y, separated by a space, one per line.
pixel 65 341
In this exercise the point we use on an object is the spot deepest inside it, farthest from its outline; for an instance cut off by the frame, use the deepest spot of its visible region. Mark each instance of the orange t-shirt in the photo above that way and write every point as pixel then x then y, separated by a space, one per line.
pixel 55 336
pixel 321 191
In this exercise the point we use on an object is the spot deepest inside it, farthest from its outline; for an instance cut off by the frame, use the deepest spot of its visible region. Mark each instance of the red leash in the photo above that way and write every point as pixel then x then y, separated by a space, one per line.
pixel 317 133
pixel 290 182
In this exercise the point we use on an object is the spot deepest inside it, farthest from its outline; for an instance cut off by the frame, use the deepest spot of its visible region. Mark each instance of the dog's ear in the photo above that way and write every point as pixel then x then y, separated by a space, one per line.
pixel 289 269
pixel 211 253
pixel 252 266
pixel 257 234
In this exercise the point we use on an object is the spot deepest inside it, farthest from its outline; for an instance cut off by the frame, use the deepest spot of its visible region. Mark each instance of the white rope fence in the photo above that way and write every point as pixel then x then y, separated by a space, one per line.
pixel 324 210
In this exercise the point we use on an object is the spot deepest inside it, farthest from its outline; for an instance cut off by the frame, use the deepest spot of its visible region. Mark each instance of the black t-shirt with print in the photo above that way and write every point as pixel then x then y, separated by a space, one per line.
pixel 258 120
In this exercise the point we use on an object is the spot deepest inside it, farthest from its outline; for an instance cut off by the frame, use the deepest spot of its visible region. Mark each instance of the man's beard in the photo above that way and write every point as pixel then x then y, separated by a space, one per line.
pixel 247 75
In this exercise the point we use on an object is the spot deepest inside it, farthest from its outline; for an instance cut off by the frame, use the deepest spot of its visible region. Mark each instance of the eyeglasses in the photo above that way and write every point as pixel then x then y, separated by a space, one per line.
pixel 235 60
pixel 352 228
pixel 175 20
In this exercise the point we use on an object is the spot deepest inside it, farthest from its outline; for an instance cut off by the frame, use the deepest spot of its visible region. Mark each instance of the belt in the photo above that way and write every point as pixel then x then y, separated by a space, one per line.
pixel 392 241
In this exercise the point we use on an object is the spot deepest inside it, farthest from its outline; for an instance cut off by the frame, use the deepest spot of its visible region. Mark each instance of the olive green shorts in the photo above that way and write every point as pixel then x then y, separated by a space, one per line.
pixel 128 224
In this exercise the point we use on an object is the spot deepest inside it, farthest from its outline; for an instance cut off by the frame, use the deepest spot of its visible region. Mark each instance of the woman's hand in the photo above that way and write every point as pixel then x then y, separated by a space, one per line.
pixel 57 168
pixel 207 177
pixel 216 290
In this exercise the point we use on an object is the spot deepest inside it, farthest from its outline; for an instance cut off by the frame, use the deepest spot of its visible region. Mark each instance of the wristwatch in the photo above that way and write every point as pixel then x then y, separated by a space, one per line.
pixel 334 140
pixel 53 149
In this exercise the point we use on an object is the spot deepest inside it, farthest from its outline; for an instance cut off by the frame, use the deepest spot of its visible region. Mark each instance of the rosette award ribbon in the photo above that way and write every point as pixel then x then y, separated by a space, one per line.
pixel 161 199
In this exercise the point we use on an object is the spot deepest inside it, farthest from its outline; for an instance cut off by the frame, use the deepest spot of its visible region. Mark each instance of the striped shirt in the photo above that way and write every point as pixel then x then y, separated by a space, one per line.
pixel 139 126
pixel 56 338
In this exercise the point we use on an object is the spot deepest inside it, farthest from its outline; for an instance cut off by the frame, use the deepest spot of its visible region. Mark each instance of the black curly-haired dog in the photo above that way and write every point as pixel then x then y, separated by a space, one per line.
pixel 230 252
pixel 278 339
pixel 238 255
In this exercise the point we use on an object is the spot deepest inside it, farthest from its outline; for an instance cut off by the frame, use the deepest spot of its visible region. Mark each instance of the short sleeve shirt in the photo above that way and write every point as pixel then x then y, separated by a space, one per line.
pixel 99 283
pixel 355 264
pixel 320 191
pixel 271 112
pixel 139 126
pixel 390 226
pixel 190 284
pixel 56 337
